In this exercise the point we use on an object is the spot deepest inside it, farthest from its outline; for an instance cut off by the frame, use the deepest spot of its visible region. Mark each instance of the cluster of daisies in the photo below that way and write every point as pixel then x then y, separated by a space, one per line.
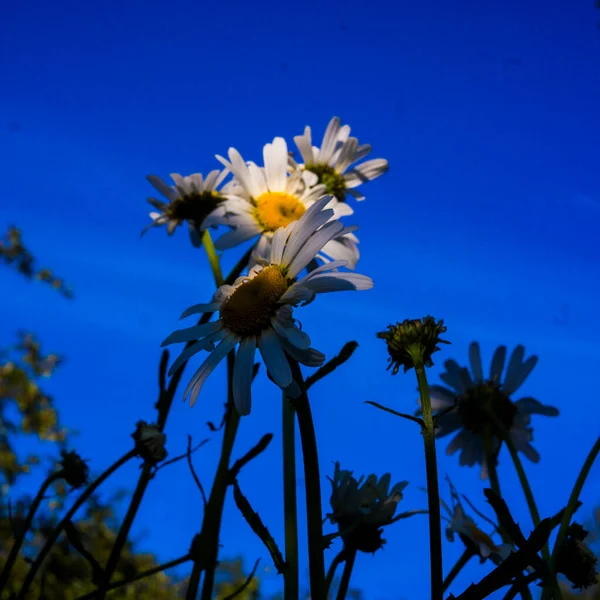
pixel 292 210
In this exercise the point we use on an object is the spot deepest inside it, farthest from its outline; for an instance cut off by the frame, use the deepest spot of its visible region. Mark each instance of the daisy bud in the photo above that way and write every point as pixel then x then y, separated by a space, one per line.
pixel 75 470
pixel 412 342
pixel 150 442
pixel 576 560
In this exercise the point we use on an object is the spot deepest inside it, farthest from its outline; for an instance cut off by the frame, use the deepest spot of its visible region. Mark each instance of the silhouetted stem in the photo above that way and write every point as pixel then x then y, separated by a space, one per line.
pixel 55 534
pixel 211 524
pixel 142 575
pixel 290 575
pixel 339 558
pixel 14 551
pixel 348 566
pixel 433 494
pixel 312 482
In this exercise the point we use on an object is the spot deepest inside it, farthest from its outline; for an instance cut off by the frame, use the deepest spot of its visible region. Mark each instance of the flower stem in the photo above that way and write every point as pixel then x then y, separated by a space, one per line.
pixel 55 534
pixel 464 558
pixel 433 494
pixel 573 500
pixel 312 481
pixel 348 566
pixel 339 558
pixel 531 504
pixel 522 588
pixel 115 553
pixel 213 259
pixel 142 575
pixel 14 551
pixel 290 575
pixel 206 560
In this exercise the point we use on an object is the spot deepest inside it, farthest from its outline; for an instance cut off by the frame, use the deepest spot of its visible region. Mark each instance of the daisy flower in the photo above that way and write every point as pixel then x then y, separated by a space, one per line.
pixel 260 200
pixel 191 199
pixel 474 396
pixel 256 311
pixel 332 162
pixel 361 509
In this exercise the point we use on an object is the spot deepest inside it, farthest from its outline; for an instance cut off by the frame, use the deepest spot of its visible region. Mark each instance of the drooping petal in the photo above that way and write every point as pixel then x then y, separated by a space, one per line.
pixel 208 366
pixel 274 357
pixel 192 333
pixel 242 375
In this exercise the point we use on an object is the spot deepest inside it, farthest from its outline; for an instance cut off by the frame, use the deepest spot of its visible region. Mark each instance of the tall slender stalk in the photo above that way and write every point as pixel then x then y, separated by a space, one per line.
pixel 211 524
pixel 290 575
pixel 433 493
pixel 345 582
pixel 20 538
pixel 55 534
pixel 312 482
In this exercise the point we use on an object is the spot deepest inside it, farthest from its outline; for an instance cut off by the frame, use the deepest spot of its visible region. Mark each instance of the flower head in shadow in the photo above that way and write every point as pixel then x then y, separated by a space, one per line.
pixel 361 508
pixel 192 199
pixel 484 406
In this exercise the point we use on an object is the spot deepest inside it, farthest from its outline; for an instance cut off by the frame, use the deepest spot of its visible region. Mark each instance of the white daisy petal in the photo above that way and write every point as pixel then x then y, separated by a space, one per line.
pixel 337 282
pixel 274 357
pixel 290 332
pixel 304 144
pixel 186 355
pixel 162 187
pixel 192 333
pixel 200 308
pixel 236 236
pixel 366 171
pixel 208 366
pixel 242 375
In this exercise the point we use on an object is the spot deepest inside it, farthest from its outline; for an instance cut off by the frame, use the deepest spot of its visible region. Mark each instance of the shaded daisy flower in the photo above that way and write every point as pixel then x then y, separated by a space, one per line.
pixel 191 199
pixel 476 396
pixel 261 200
pixel 361 510
pixel 256 311
pixel 475 539
pixel 332 162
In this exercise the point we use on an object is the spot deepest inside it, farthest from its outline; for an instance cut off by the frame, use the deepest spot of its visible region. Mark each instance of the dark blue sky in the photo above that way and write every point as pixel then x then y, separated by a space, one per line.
pixel 488 218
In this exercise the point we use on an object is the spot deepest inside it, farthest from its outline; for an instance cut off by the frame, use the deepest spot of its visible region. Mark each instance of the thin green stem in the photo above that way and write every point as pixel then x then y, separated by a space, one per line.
pixel 464 558
pixel 433 493
pixel 14 551
pixel 290 575
pixel 142 575
pixel 573 501
pixel 348 566
pixel 55 534
pixel 213 259
pixel 312 482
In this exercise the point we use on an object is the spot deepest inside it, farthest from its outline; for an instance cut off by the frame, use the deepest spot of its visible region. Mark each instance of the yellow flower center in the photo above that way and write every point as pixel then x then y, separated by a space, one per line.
pixel 249 310
pixel 277 209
